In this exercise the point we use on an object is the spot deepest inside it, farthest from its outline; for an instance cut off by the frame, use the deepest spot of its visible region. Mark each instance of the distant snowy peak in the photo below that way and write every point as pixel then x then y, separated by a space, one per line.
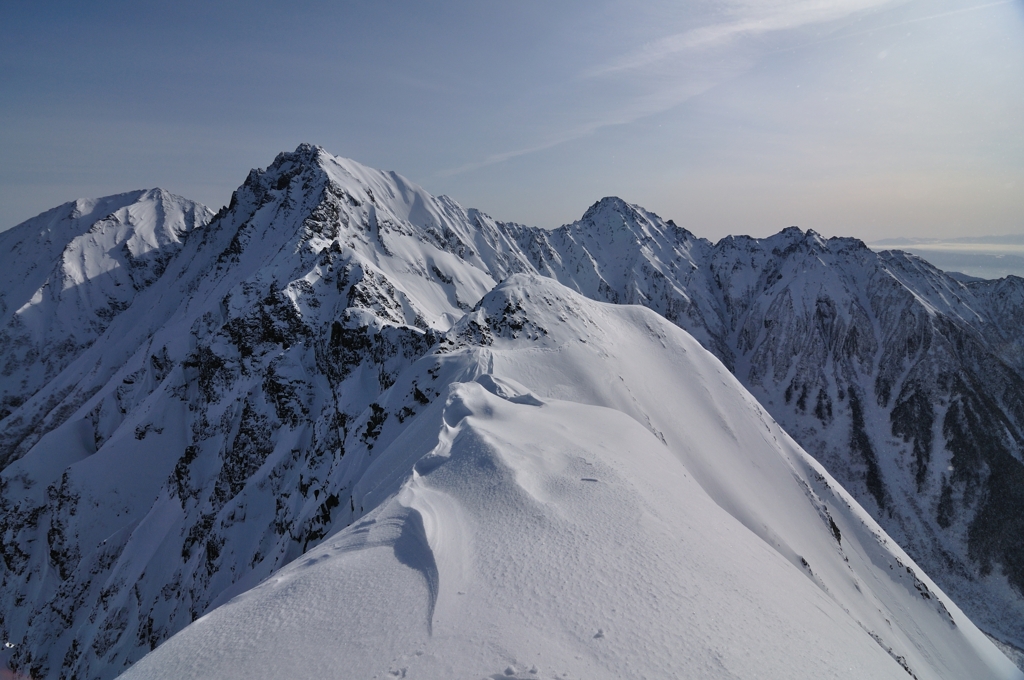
pixel 417 259
pixel 613 214
pixel 65 274
pixel 370 199
pixel 234 382
pixel 29 251
pixel 136 240
pixel 81 240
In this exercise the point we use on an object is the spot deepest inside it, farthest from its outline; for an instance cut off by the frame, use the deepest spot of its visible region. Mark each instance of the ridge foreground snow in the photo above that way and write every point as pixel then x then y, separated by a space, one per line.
pixel 652 522
pixel 333 349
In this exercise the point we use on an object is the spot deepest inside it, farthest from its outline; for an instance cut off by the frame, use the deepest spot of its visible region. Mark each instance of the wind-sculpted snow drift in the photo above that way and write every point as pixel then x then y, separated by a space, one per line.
pixel 607 499
pixel 634 513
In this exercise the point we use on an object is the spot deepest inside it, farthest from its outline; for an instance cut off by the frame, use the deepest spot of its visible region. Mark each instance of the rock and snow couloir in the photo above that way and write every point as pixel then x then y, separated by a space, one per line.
pixel 280 377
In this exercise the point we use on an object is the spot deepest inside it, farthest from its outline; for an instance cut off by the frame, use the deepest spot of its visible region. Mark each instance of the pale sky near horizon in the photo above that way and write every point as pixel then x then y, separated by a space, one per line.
pixel 867 118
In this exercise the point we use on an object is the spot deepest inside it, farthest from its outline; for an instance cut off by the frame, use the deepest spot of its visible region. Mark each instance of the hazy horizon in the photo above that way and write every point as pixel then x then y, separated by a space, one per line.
pixel 985 257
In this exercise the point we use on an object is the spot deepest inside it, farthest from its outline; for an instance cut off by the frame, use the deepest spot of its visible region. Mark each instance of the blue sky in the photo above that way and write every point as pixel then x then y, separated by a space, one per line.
pixel 871 118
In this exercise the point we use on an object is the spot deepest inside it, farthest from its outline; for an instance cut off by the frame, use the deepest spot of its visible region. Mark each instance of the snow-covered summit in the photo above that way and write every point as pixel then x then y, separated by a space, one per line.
pixel 244 406
pixel 65 275
pixel 80 236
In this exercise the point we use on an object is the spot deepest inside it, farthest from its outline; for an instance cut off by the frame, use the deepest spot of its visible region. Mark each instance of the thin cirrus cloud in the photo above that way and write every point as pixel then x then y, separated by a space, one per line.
pixel 749 19
pixel 910 22
pixel 655 92
pixel 634 109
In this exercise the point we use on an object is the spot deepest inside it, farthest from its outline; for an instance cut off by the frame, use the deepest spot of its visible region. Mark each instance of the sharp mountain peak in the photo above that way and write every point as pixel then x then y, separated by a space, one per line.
pixel 261 368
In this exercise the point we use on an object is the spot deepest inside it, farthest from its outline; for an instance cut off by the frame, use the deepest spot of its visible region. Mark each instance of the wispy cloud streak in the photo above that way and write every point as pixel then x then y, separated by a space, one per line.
pixel 752 19
pixel 908 22
pixel 634 109
pixel 746 20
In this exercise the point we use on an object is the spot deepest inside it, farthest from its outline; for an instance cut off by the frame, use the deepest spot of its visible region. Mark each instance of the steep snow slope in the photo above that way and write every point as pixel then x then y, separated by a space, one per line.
pixel 228 391
pixel 1001 305
pixel 904 382
pixel 658 523
pixel 624 254
pixel 65 275
pixel 218 427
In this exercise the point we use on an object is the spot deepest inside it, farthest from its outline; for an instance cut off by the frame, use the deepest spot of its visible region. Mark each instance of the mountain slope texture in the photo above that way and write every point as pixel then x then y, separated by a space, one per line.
pixel 392 435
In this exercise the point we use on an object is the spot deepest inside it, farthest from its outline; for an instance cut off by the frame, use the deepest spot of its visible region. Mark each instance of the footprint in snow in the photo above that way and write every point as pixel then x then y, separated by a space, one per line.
pixel 511 673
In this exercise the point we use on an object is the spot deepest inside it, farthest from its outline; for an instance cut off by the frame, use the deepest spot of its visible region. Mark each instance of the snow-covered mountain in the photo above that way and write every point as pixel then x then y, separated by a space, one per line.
pixel 64 275
pixel 333 350
pixel 240 380
pixel 635 514
pixel 904 382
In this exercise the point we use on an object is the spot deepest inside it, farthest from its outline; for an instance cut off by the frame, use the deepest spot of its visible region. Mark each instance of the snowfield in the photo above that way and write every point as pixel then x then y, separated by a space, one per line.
pixel 345 427
pixel 649 521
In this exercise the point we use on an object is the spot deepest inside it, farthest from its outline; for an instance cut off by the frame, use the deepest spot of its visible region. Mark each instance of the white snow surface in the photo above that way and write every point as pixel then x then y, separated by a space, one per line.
pixel 65 274
pixel 317 408
pixel 595 496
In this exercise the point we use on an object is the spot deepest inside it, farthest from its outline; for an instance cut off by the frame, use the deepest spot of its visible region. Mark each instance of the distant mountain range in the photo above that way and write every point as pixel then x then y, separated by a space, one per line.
pixel 452 446
pixel 1012 240
pixel 986 257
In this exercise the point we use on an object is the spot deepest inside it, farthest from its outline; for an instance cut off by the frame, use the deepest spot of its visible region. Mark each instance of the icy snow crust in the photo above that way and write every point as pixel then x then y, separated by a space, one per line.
pixel 659 524
pixel 317 356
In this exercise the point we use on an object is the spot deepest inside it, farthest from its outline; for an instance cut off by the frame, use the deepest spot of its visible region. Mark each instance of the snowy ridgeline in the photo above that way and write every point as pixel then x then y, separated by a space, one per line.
pixel 634 514
pixel 321 403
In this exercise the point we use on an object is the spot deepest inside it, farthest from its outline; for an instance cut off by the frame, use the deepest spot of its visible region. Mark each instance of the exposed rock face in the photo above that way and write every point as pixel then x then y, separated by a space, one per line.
pixel 221 387
pixel 205 431
pixel 903 381
pixel 653 493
